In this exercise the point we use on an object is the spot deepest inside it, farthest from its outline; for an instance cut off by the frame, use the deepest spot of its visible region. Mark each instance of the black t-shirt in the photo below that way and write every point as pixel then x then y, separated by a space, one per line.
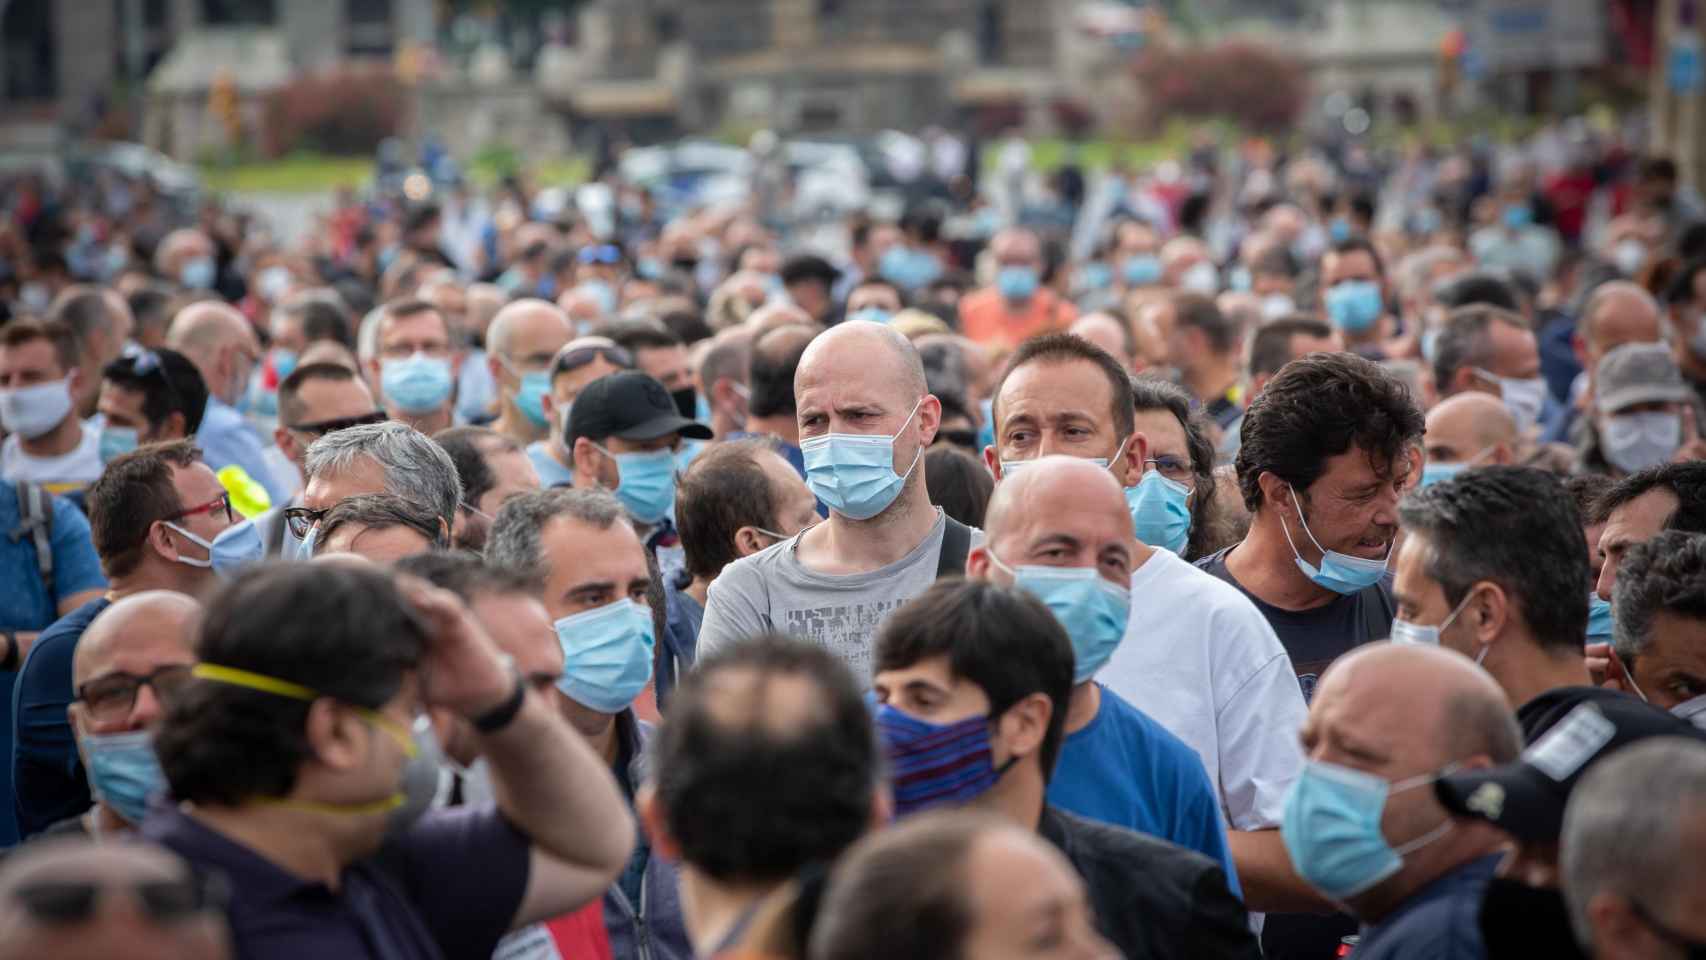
pixel 1316 637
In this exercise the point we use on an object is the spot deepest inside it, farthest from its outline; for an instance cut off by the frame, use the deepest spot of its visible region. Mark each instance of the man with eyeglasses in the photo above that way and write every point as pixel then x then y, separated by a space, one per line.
pixel 223 347
pixel 155 515
pixel 316 399
pixel 414 366
pixel 523 340
pixel 129 664
pixel 152 397
pixel 73 898
pixel 579 363
pixel 1196 657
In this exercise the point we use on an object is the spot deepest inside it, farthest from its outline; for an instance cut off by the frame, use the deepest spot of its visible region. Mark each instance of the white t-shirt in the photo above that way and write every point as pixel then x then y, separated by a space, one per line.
pixel 1200 659
pixel 62 474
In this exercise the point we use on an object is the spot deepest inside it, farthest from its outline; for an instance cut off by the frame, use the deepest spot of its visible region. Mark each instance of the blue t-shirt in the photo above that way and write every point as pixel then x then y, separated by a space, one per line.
pixel 48 780
pixel 1127 770
pixel 1441 921
pixel 25 604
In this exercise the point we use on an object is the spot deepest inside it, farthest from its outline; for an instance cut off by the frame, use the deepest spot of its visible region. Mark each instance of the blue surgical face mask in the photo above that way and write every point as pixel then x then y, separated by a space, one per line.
pixel 872 315
pixel 602 294
pixel 1354 305
pixel 1331 828
pixel 1339 572
pixel 1096 276
pixel 1433 473
pixel 416 384
pixel 1518 215
pixel 123 771
pixel 607 655
pixel 1141 270
pixel 198 273
pixel 647 483
pixel 283 362
pixel 1339 230
pixel 853 473
pixel 1599 618
pixel 1160 511
pixel 1092 610
pixel 1016 283
pixel 234 548
pixel 1403 631
pixel 530 397
pixel 690 450
pixel 116 442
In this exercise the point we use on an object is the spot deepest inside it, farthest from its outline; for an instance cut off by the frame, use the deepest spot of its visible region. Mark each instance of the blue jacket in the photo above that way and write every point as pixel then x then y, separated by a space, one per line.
pixel 651 929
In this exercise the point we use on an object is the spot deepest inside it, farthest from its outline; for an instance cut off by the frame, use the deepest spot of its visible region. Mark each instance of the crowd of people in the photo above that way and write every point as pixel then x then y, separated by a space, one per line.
pixel 1287 554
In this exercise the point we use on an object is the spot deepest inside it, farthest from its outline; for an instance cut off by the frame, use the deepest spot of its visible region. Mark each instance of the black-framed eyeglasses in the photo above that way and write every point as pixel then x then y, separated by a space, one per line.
pixel 221 503
pixel 163 901
pixel 581 356
pixel 320 428
pixel 299 520
pixel 113 696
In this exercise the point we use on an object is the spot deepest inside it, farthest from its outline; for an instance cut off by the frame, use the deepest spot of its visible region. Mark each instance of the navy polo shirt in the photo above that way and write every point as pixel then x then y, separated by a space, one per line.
pixel 449 886
pixel 1440 921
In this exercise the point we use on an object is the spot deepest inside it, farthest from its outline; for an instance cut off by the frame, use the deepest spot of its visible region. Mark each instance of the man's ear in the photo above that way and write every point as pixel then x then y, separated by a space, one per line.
pixel 749 541
pixel 992 460
pixel 1276 493
pixel 654 821
pixel 1025 725
pixel 1130 468
pixel 929 419
pixel 1491 609
pixel 977 563
pixel 336 739
pixel 160 538
pixel 285 443
pixel 173 426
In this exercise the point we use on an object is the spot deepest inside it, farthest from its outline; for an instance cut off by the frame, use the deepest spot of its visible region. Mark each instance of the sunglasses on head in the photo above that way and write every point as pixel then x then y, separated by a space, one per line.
pixel 320 428
pixel 581 356
pixel 148 362
pixel 163 901
pixel 604 253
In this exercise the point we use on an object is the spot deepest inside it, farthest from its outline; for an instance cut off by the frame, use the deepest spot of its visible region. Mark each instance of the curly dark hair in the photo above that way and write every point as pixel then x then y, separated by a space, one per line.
pixel 341 630
pixel 1316 408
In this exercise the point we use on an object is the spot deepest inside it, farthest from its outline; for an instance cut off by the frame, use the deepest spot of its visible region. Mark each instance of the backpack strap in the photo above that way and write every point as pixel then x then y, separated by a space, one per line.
pixel 35 512
pixel 956 544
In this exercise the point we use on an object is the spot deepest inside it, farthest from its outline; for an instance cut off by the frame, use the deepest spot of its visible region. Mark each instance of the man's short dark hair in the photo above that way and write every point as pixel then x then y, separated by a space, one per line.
pixel 467 575
pixel 808 267
pixel 1516 527
pixel 148 308
pixel 133 493
pixel 1356 243
pixel 1000 638
pixel 755 787
pixel 1275 261
pixel 382 511
pixel 1667 574
pixel 1270 347
pixel 1466 339
pixel 290 412
pixel 1477 287
pixel 1152 393
pixel 341 630
pixel 169 383
pixel 468 448
pixel 1317 408
pixel 411 306
pixel 1199 312
pixel 724 489
pixel 688 326
pixel 58 336
pixel 636 335
pixel 1687 481
pixel 770 374
pixel 1065 348
pixel 876 281
pixel 1586 489
pixel 959 483
pixel 322 317
pixel 83 310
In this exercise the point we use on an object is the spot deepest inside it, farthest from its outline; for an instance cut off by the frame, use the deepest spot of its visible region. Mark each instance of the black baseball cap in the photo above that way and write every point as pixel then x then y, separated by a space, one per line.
pixel 1526 799
pixel 629 405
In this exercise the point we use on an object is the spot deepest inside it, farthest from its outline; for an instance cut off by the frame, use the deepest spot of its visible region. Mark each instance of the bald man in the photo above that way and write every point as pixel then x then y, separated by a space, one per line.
pixel 1058 525
pixel 187 921
pixel 1472 429
pixel 578 363
pixel 1106 331
pixel 523 339
pixel 127 665
pixel 865 418
pixel 1617 313
pixel 1363 824
pixel 224 348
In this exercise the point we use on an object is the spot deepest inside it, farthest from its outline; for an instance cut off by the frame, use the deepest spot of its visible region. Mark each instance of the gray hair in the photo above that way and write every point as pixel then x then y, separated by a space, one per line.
pixel 515 542
pixel 1465 339
pixel 415 468
pixel 1623 827
pixel 1667 574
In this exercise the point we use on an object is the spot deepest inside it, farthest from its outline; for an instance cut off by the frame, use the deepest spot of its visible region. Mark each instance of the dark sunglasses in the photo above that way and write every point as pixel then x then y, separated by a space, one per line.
pixel 320 428
pixel 113 696
pixel 164 901
pixel 604 253
pixel 581 356
pixel 299 520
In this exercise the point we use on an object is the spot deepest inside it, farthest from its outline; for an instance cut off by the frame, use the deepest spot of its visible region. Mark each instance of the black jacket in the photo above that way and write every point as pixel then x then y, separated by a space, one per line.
pixel 1152 898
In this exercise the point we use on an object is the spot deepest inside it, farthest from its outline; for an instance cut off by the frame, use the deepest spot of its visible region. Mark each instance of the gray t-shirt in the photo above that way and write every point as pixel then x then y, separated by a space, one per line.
pixel 771 590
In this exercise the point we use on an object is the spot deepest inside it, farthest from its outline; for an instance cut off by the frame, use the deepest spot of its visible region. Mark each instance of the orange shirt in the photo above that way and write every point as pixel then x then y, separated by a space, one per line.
pixel 987 318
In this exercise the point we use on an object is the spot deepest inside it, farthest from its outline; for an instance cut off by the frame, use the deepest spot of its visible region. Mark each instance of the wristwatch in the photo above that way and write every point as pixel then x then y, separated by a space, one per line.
pixel 500 716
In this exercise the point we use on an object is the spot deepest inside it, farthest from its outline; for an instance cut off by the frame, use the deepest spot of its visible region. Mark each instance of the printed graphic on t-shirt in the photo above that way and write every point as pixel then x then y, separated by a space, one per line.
pixel 845 628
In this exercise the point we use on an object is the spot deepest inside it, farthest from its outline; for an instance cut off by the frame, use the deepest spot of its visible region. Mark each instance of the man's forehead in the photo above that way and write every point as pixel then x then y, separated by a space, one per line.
pixel 1032 388
pixel 33 355
pixel 163 643
pixel 1643 517
pixel 584 553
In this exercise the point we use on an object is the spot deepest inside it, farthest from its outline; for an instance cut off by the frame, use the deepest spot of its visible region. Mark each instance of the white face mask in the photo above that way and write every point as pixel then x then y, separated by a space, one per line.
pixel 1636 441
pixel 35 410
pixel 1628 255
pixel 1524 398
pixel 1201 278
